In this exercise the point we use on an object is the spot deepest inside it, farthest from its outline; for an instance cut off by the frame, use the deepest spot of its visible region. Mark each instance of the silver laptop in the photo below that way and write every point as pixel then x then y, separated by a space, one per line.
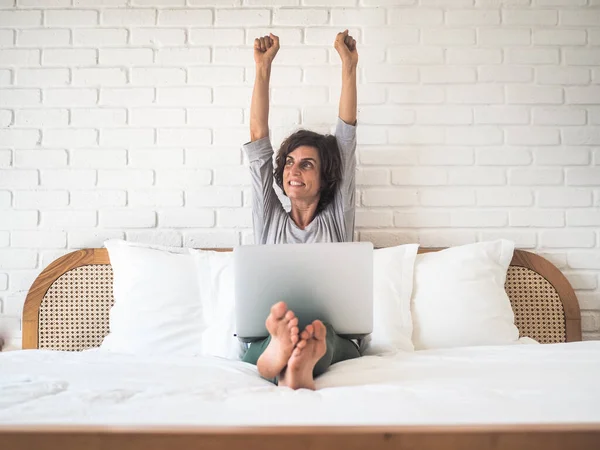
pixel 330 282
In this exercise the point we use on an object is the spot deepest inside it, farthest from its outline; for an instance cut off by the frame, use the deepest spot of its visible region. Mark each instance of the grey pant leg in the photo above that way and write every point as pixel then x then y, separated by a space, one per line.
pixel 338 349
pixel 255 350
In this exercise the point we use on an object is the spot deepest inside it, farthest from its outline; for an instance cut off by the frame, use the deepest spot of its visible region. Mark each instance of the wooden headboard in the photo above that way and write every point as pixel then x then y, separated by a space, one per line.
pixel 68 304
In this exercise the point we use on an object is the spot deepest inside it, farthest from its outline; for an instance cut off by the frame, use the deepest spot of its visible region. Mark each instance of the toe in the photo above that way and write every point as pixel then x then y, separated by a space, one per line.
pixel 320 330
pixel 293 323
pixel 289 315
pixel 278 310
pixel 301 344
pixel 310 329
pixel 294 331
pixel 305 335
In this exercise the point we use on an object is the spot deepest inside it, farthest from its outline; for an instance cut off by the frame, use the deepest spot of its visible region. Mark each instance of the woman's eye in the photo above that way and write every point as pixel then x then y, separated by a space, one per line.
pixel 289 162
pixel 307 165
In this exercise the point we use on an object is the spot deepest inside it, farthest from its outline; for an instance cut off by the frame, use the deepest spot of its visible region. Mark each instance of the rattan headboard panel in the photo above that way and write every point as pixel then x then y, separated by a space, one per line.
pixel 73 314
pixel 74 311
pixel 539 312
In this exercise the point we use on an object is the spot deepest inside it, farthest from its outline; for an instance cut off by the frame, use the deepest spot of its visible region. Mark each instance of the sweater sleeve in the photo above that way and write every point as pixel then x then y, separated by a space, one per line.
pixel 265 204
pixel 346 196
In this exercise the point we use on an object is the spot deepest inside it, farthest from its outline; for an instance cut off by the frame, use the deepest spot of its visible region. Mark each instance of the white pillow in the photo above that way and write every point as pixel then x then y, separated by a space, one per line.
pixel 459 298
pixel 157 305
pixel 392 288
pixel 216 283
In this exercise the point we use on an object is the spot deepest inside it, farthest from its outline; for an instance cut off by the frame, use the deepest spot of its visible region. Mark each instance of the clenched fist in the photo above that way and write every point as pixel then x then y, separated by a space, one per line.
pixel 346 48
pixel 265 49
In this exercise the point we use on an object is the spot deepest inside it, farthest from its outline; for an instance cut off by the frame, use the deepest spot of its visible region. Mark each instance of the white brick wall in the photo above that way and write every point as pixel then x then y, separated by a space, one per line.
pixel 478 119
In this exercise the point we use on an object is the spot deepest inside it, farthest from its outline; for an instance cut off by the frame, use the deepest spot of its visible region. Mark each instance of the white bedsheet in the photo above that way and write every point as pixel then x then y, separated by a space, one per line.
pixel 556 383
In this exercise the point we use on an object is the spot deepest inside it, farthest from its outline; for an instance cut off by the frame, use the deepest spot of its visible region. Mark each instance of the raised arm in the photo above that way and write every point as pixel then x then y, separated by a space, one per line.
pixel 346 48
pixel 265 49
pixel 266 207
pixel 345 133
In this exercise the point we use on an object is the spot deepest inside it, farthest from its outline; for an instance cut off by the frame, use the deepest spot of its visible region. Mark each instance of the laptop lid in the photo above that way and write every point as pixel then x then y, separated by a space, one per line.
pixel 332 282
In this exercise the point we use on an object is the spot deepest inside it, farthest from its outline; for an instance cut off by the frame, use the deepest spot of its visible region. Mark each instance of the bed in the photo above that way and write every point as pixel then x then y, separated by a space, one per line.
pixel 487 397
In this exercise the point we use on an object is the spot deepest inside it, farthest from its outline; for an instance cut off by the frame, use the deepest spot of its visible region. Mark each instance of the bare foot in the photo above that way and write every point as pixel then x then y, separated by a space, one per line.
pixel 283 328
pixel 310 349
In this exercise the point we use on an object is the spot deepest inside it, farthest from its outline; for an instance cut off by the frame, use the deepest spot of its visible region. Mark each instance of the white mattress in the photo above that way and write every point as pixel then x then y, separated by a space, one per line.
pixel 477 385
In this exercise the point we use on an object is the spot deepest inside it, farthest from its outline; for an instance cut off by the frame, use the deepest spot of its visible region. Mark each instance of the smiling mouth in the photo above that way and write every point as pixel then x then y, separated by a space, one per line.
pixel 296 184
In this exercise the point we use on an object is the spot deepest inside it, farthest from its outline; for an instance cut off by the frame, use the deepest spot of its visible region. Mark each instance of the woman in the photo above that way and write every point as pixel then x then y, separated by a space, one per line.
pixel 317 174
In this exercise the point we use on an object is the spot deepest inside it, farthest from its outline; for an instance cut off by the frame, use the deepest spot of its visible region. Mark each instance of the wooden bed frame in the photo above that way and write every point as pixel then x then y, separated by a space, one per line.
pixel 493 437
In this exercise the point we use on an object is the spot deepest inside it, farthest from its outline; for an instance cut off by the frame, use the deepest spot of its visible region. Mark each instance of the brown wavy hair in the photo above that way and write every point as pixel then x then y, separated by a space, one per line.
pixel 331 161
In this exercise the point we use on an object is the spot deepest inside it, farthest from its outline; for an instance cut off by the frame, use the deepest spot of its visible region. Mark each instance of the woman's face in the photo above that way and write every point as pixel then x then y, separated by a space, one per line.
pixel 302 174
